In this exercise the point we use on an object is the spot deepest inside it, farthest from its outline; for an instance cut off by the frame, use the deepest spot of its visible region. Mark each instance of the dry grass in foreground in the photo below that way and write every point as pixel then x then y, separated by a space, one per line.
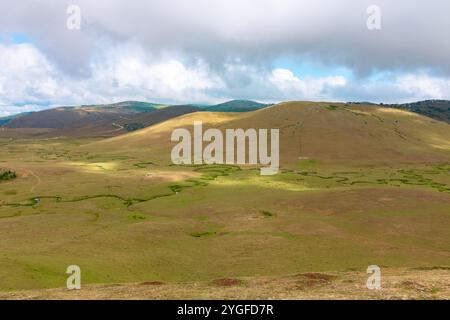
pixel 425 283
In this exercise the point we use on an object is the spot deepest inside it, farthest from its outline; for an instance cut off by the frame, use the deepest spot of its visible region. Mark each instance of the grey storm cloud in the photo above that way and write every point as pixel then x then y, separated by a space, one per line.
pixel 203 51
pixel 414 33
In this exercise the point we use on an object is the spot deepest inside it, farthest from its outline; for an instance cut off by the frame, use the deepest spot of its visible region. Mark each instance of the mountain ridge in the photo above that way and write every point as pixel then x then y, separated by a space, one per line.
pixel 121 117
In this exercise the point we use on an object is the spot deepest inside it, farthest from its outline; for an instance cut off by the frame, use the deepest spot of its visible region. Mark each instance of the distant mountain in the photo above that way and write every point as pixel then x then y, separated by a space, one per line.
pixel 93 120
pixel 131 122
pixel 59 118
pixel 127 107
pixel 237 106
pixel 65 117
pixel 110 119
pixel 436 109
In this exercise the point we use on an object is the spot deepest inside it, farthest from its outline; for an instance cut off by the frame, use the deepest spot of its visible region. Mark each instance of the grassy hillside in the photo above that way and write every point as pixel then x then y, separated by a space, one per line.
pixel 319 131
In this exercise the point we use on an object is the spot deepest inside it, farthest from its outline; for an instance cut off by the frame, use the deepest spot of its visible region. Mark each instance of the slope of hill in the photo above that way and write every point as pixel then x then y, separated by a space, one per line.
pixel 89 121
pixel 146 119
pixel 318 131
pixel 64 117
pixel 237 106
pixel 436 109
pixel 125 123
pixel 59 118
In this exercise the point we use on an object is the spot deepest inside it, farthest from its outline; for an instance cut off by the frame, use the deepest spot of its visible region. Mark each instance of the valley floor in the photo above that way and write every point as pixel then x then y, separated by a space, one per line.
pixel 191 231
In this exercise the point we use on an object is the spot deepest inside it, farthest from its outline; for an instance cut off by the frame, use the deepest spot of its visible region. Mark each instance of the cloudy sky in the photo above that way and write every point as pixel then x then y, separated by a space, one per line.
pixel 207 51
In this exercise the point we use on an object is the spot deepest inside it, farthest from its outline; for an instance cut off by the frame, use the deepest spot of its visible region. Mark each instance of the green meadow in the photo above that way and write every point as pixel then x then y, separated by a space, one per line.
pixel 131 218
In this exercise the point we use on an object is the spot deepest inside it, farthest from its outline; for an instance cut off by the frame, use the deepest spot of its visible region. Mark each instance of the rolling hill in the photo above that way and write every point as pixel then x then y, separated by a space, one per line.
pixel 91 121
pixel 115 119
pixel 112 126
pixel 237 106
pixel 317 131
pixel 106 120
pixel 64 117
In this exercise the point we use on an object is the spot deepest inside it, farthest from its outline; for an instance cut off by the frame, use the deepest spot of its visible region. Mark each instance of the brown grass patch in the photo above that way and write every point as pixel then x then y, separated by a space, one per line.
pixel 308 280
pixel 152 283
pixel 226 282
pixel 317 276
pixel 412 285
pixel 396 284
pixel 432 268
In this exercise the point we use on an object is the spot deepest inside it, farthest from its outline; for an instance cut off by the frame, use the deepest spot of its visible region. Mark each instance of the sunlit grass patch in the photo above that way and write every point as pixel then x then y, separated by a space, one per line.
pixel 95 166
pixel 253 179
pixel 307 163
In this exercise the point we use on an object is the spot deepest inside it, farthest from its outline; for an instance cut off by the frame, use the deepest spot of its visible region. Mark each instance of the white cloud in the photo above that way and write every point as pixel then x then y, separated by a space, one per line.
pixel 396 88
pixel 413 35
pixel 26 75
pixel 132 73
pixel 128 73
pixel 28 78
pixel 308 88
pixel 9 110
pixel 29 81
pixel 424 87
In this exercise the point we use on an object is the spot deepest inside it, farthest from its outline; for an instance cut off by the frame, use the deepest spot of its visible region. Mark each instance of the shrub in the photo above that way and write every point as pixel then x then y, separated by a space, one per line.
pixel 133 126
pixel 267 214
pixel 7 175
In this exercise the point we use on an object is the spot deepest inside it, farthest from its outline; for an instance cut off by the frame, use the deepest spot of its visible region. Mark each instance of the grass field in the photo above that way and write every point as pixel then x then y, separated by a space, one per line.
pixel 127 216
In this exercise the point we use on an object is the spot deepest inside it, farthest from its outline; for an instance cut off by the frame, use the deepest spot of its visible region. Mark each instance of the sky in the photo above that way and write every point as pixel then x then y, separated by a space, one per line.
pixel 210 51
